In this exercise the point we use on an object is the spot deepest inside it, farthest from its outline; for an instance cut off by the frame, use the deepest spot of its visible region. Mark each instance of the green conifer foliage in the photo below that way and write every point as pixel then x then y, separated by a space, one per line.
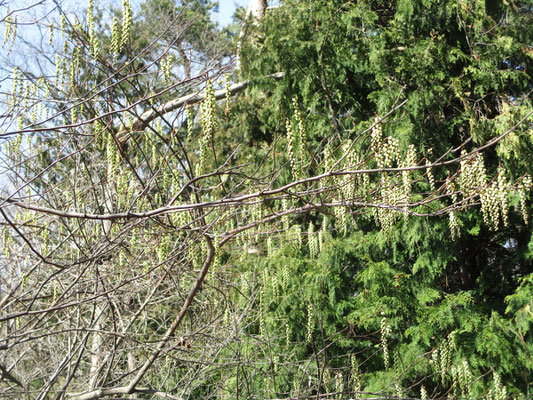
pixel 463 70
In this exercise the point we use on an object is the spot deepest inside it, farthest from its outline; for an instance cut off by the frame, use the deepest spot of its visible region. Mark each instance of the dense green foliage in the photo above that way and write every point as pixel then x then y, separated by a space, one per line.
pixel 463 68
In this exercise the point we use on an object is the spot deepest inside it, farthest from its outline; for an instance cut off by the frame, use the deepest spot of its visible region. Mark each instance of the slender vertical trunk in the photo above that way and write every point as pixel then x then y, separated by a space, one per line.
pixel 132 364
pixel 98 341
pixel 256 10
pixel 96 345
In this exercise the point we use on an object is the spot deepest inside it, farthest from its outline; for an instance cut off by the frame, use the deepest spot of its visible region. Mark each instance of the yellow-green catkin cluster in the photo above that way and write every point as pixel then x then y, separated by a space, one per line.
pixel 473 177
pixel 329 161
pixel 423 393
pixel 256 215
pixel 270 246
pixel 50 34
pixel 63 33
pixel 454 224
pixel 93 40
pixel 16 87
pixel 195 255
pixel 430 176
pixel 181 220
pixel 123 260
pixel 408 161
pixel 112 157
pixel 364 187
pixel 10 32
pixel 522 192
pixel 298 233
pixel 126 189
pixel 23 282
pixel 441 358
pixel 302 129
pixel 495 202
pixel 391 198
pixel 16 143
pixel 341 219
pixel 75 65
pixel 398 388
pixel 296 141
pixel 8 22
pixel 291 149
pixel 127 19
pixel 296 385
pixel 376 136
pixel 228 95
pixel 116 39
pixel 355 377
pixel 494 197
pixel 312 241
pixel 166 68
pixel 349 184
pixel 498 391
pixel 285 277
pixel 462 380
pixel 385 330
pixel 285 219
pixel 208 124
pixel 326 377
pixel 217 257
pixel 61 72
pixel 55 292
pixel 310 321
pixel 245 284
pixel 63 24
pixel 275 285
pixel 339 382
pixel 387 153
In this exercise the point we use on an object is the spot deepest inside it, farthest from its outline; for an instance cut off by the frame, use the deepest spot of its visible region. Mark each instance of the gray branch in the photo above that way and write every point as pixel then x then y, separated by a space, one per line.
pixel 148 116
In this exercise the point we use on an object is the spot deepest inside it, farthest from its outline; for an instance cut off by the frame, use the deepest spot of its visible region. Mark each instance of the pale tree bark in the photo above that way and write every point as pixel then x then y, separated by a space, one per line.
pixel 256 9
pixel 148 116
pixel 96 347
pixel 98 340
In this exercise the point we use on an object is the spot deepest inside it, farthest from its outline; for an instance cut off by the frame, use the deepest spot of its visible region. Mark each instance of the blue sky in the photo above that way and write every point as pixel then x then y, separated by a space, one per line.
pixel 226 10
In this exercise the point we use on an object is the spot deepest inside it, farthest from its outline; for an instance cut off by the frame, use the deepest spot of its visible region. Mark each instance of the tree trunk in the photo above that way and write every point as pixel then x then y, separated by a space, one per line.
pixel 256 9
